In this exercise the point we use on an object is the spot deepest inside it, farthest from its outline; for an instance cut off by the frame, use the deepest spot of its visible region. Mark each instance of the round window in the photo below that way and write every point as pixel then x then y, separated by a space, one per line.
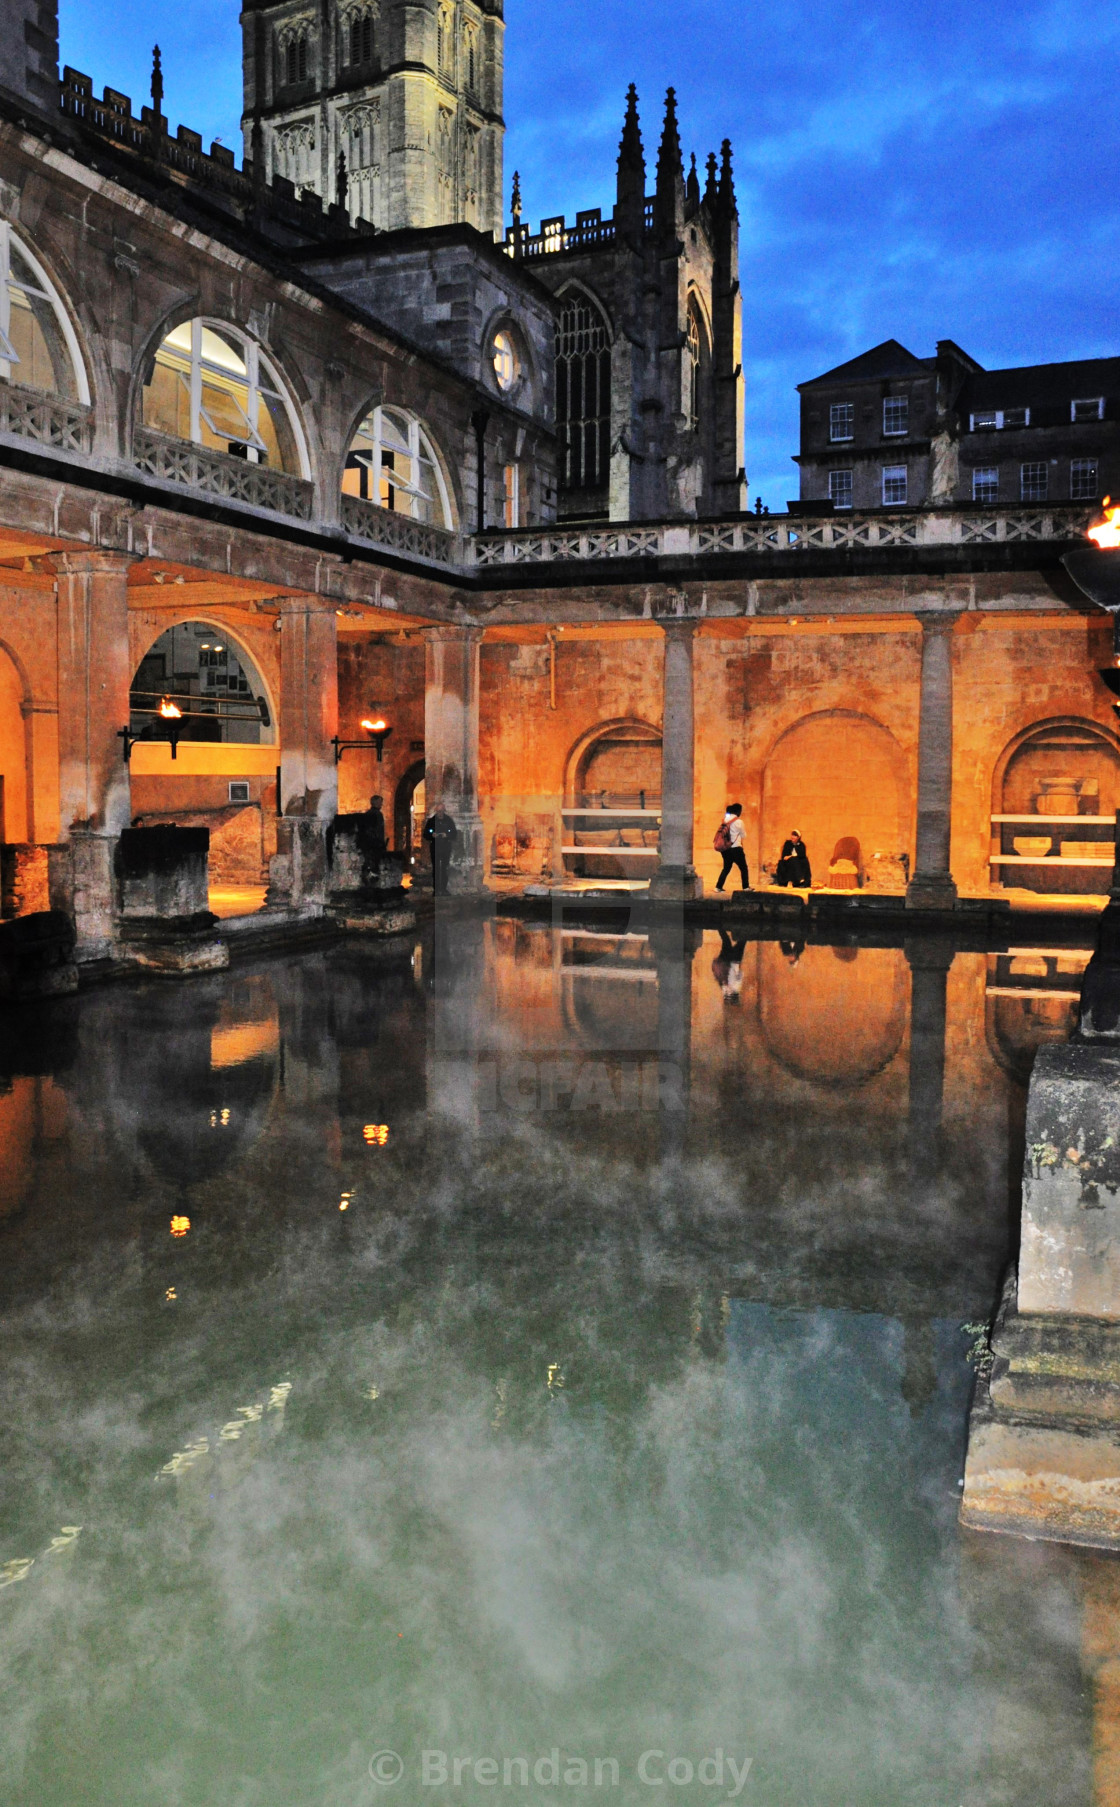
pixel 505 364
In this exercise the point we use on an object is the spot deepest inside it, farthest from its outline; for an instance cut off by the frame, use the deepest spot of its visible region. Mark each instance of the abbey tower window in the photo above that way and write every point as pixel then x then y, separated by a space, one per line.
pixel 470 57
pixel 445 43
pixel 358 39
pixel 293 48
pixel 692 373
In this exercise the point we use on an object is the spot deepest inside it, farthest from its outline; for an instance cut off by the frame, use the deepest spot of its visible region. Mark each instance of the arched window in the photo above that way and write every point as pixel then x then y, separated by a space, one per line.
pixel 294 59
pixel 214 386
pixel 444 29
pixel 692 372
pixel 470 44
pixel 583 394
pixel 393 464
pixel 38 346
pixel 359 39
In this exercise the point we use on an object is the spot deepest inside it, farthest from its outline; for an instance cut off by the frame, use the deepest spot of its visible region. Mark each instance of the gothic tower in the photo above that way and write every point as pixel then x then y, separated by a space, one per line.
pixel 393 106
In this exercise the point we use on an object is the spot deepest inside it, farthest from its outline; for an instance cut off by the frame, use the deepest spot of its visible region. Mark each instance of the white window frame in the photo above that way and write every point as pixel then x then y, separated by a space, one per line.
pixel 1092 464
pixel 843 473
pixel 895 401
pixel 505 359
pixel 892 473
pixel 990 420
pixel 256 367
pixel 1034 464
pixel 849 410
pixel 1088 401
pixel 8 358
pixel 420 450
pixel 982 471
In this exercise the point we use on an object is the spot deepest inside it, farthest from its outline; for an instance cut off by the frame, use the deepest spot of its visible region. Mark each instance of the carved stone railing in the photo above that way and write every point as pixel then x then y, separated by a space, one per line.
pixel 399 532
pixel 47 419
pixel 769 534
pixel 217 474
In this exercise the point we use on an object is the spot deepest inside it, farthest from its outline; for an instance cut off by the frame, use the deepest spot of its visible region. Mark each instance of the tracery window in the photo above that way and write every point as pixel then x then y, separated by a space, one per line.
pixel 214 386
pixel 294 58
pixel 445 55
pixel 470 50
pixel 38 345
pixel 358 39
pixel 692 372
pixel 392 462
pixel 583 393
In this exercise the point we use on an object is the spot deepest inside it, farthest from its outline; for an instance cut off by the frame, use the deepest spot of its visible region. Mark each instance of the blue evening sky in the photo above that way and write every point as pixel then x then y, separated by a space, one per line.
pixel 922 170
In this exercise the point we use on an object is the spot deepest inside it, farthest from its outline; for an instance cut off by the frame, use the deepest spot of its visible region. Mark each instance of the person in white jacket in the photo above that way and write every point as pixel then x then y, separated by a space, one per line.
pixel 729 842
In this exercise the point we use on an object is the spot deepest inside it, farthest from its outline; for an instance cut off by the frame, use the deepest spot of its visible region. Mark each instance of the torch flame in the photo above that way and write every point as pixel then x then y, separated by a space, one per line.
pixel 380 725
pixel 169 710
pixel 1106 533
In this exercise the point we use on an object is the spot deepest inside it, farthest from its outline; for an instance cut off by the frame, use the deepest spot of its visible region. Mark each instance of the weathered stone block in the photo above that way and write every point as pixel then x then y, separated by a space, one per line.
pixel 163 871
pixel 37 957
pixel 1070 1255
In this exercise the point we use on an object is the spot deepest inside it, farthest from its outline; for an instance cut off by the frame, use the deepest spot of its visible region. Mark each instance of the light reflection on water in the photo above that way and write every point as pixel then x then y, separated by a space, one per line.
pixel 620 1410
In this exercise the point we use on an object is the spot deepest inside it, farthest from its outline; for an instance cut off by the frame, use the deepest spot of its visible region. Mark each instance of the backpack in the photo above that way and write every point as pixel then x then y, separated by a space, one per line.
pixel 722 842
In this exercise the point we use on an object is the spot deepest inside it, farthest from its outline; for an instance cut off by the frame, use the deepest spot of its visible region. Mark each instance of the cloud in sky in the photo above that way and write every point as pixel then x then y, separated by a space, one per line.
pixel 903 172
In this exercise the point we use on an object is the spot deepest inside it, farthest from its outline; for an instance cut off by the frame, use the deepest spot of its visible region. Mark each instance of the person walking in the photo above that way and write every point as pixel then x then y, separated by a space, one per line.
pixel 793 868
pixel 440 833
pixel 729 843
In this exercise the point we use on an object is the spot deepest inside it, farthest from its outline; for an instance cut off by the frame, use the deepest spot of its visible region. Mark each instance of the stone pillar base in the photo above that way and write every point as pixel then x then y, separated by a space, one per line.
pixel 676 884
pixel 931 892
pixel 298 871
pixel 177 947
pixel 82 883
pixel 1044 1431
pixel 465 875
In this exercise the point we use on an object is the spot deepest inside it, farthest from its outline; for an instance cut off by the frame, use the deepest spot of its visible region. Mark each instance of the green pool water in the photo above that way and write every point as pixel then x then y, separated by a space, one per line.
pixel 527 1369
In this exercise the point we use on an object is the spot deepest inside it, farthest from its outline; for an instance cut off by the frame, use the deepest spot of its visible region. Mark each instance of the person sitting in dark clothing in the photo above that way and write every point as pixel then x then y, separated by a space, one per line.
pixel 440 833
pixel 793 867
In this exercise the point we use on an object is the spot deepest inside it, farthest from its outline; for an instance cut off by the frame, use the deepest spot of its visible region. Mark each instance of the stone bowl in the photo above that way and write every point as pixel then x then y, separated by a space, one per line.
pixel 1032 846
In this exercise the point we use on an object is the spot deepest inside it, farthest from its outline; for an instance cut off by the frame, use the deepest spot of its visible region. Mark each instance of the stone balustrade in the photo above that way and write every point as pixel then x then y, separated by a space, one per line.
pixel 217 474
pixel 769 534
pixel 399 532
pixel 46 419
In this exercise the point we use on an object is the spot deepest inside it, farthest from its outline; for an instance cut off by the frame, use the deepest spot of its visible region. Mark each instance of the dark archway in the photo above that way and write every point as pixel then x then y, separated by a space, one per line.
pixel 404 798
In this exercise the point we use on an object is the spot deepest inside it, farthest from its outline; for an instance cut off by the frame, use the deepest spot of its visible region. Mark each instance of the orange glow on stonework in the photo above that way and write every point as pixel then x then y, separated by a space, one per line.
pixel 1106 533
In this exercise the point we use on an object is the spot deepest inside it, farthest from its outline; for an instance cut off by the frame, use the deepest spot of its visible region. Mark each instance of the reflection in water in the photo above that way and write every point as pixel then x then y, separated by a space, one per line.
pixel 617 1296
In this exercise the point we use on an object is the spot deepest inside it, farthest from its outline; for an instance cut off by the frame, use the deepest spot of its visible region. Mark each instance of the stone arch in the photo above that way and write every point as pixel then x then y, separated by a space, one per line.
pixel 250 664
pixel 620 730
pixel 408 784
pixel 1065 765
pixel 616 764
pixel 503 319
pixel 838 774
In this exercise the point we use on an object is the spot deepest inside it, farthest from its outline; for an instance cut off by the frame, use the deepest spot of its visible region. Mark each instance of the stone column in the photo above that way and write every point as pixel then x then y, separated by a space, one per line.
pixel 94 675
pixel 451 745
pixel 676 876
pixel 308 707
pixel 931 883
pixel 94 796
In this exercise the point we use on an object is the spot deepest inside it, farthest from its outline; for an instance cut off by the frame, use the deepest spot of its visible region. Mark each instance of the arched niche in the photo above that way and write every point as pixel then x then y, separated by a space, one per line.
pixel 837 1017
pixel 409 801
pixel 614 767
pixel 835 775
pixel 1065 767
